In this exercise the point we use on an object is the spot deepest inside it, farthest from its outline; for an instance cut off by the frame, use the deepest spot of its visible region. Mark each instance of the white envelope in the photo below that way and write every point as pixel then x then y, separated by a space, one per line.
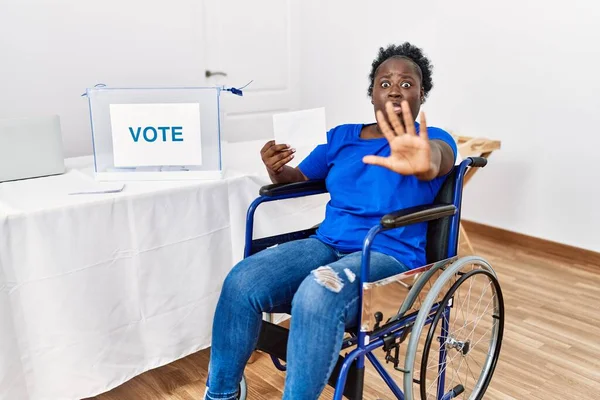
pixel 302 130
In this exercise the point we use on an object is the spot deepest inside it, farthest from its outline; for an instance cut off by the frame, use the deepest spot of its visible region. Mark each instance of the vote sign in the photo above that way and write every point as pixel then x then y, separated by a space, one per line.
pixel 156 134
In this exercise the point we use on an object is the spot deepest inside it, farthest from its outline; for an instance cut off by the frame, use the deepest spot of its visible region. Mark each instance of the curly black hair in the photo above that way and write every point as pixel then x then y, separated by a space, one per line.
pixel 405 50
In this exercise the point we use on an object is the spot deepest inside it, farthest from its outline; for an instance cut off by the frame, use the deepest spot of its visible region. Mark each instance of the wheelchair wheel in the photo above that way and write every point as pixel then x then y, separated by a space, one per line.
pixel 457 356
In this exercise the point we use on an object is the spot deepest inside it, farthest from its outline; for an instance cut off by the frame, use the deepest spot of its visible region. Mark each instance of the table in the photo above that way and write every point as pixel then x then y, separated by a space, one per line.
pixel 96 289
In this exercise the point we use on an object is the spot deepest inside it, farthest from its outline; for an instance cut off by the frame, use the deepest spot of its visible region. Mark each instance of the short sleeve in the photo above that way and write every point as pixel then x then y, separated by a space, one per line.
pixel 315 165
pixel 440 134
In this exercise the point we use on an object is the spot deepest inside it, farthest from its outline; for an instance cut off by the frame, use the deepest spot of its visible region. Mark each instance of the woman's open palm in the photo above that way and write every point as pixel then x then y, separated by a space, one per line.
pixel 410 154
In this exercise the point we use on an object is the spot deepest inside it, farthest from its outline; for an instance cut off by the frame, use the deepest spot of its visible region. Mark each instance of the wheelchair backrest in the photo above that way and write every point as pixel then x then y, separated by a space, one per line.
pixel 438 231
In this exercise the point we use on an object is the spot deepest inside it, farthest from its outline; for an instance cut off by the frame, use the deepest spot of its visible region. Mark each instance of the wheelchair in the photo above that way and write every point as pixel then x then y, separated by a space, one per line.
pixel 448 314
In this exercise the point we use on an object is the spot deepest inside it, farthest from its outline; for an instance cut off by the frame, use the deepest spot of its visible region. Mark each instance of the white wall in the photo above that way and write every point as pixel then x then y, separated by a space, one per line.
pixel 524 72
pixel 50 51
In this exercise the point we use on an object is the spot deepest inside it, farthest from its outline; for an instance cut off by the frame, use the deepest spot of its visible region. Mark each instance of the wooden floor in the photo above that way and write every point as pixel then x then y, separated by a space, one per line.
pixel 551 347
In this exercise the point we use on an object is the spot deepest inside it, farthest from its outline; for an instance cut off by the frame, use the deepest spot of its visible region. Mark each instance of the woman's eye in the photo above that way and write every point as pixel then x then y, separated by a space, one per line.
pixel 406 85
pixel 385 85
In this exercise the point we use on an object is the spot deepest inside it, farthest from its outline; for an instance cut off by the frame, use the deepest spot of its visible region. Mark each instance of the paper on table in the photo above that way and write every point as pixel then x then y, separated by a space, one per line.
pixel 98 188
pixel 302 130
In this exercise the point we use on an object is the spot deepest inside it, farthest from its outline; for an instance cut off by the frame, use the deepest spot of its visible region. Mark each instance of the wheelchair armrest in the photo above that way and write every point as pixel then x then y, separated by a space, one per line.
pixel 279 189
pixel 414 215
pixel 478 162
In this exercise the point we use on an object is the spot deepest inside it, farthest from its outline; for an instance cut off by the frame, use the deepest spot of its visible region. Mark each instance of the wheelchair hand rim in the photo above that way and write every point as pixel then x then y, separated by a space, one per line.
pixel 489 366
pixel 424 314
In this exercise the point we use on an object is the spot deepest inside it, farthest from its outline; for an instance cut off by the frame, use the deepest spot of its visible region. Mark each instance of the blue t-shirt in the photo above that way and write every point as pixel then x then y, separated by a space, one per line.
pixel 362 193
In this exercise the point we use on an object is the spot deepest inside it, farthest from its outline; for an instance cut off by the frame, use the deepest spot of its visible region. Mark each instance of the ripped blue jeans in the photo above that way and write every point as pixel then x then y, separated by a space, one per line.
pixel 312 280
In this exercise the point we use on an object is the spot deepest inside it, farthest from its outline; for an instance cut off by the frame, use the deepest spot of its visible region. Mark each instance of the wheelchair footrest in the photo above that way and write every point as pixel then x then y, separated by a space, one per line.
pixel 273 340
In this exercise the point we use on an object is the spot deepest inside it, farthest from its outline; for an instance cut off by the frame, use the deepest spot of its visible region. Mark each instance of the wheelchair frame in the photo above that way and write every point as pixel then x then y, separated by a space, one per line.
pixel 273 338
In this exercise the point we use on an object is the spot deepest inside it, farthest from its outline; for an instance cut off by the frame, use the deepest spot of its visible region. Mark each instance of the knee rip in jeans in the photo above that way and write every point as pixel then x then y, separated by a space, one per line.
pixel 328 278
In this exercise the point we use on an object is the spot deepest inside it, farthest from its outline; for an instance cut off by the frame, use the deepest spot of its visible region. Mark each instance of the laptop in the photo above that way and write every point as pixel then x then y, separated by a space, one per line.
pixel 30 148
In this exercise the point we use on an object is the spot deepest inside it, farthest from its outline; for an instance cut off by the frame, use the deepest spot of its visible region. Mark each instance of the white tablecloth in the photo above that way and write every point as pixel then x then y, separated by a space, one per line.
pixel 95 289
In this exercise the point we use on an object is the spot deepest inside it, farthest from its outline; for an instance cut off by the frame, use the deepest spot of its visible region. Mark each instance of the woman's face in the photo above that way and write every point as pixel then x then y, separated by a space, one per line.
pixel 397 79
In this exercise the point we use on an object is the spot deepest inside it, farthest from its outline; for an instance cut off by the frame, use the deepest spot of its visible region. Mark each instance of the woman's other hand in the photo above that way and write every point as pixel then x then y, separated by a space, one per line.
pixel 276 156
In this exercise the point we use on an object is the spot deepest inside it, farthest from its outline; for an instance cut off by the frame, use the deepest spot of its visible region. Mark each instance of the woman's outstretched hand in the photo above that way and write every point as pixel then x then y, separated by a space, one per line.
pixel 410 153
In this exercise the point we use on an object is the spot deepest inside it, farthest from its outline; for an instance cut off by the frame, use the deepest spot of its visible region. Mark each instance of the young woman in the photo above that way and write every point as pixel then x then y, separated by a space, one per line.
pixel 370 170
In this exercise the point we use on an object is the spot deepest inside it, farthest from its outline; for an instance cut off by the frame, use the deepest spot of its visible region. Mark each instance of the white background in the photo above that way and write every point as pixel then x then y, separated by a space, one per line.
pixel 523 72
